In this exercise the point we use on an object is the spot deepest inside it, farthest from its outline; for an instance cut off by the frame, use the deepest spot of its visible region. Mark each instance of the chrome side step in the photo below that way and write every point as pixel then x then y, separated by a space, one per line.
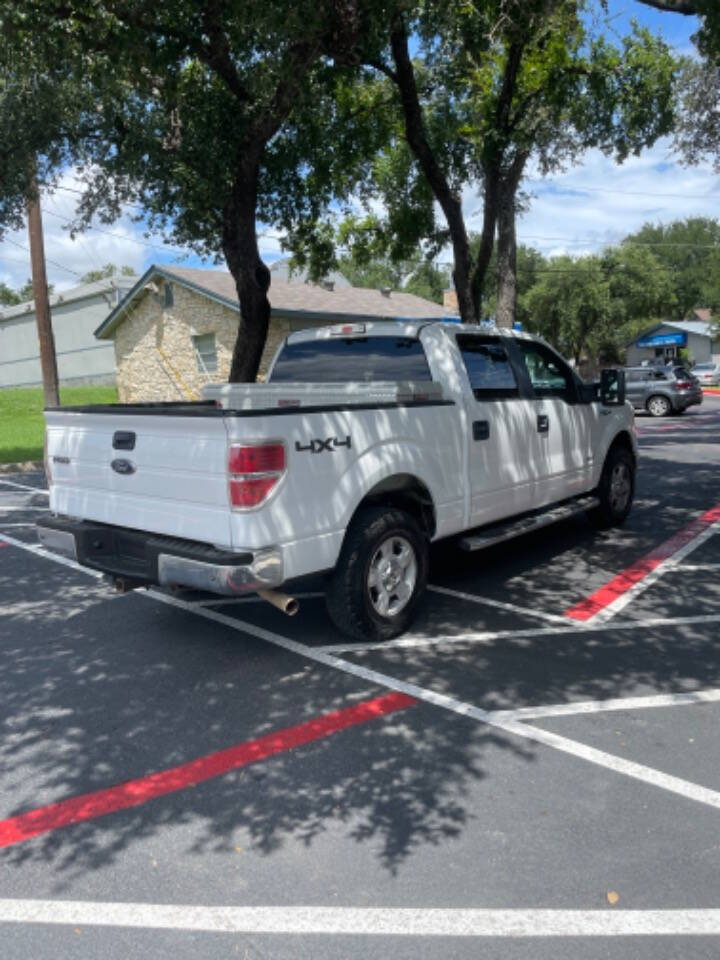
pixel 497 532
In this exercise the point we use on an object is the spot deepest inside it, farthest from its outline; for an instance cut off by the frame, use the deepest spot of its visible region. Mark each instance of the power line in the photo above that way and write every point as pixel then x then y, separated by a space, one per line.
pixel 120 236
pixel 53 262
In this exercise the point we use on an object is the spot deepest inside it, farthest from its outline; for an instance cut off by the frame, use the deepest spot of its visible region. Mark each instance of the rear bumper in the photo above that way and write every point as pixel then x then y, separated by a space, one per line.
pixel 685 400
pixel 145 558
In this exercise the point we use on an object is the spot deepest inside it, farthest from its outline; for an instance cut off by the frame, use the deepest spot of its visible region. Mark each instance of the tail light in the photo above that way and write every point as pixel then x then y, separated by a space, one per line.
pixel 683 384
pixel 254 472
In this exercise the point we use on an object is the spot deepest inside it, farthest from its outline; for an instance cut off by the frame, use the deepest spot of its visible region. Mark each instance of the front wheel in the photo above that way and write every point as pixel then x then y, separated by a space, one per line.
pixel 615 490
pixel 380 575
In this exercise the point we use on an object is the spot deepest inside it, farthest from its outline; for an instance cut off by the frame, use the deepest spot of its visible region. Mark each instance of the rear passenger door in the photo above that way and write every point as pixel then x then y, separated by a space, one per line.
pixel 502 475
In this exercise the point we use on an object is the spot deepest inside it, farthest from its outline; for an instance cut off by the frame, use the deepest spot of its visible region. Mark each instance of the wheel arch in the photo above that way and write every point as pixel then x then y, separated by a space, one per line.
pixel 403 491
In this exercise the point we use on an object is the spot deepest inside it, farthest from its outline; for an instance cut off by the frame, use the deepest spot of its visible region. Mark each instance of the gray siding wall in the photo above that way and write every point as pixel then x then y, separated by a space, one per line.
pixel 81 358
pixel 700 347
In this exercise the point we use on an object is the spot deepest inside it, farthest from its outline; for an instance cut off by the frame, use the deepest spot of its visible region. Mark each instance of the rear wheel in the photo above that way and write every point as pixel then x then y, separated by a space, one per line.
pixel 658 406
pixel 615 490
pixel 380 575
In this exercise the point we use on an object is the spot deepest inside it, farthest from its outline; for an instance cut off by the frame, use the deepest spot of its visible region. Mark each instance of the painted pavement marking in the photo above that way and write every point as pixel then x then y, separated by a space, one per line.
pixel 622 589
pixel 24 486
pixel 488 637
pixel 619 765
pixel 366 921
pixel 133 793
pixel 616 703
pixel 498 604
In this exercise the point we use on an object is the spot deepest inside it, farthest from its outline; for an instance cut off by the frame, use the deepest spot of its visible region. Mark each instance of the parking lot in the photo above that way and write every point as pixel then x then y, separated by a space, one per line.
pixel 533 771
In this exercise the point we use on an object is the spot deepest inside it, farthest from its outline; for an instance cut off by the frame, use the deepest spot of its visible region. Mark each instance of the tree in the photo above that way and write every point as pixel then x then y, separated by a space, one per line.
pixel 493 84
pixel 708 36
pixel 697 129
pixel 181 109
pixel 104 273
pixel 690 252
pixel 591 307
pixel 8 296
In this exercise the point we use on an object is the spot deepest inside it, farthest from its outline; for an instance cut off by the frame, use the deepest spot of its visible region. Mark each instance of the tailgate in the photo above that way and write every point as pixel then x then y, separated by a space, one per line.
pixel 164 473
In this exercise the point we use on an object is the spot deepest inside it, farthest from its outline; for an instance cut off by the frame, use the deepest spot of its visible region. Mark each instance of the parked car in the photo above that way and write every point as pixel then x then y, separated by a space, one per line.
pixel 662 390
pixel 707 373
pixel 369 441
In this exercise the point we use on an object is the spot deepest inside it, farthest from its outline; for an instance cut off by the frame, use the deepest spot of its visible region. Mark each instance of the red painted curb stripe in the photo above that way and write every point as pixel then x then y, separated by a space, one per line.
pixel 135 792
pixel 620 584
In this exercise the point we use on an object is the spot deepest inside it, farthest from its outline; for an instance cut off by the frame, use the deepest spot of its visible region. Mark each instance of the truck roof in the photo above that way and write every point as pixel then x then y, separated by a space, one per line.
pixel 403 328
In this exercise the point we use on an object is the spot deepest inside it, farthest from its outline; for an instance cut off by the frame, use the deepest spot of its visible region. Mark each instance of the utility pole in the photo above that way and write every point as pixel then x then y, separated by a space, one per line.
pixel 48 361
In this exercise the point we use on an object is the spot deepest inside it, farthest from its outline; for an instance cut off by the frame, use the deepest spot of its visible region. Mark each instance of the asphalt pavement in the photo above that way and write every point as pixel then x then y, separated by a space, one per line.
pixel 532 772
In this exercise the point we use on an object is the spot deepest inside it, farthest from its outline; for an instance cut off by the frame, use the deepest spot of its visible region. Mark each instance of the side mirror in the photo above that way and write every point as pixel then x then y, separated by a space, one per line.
pixel 612 388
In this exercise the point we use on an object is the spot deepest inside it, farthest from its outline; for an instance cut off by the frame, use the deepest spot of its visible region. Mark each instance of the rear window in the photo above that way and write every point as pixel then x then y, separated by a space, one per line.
pixel 681 373
pixel 704 366
pixel 353 358
pixel 488 367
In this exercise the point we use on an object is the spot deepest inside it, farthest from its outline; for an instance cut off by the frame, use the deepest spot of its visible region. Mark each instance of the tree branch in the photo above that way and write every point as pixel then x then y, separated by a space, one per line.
pixel 688 8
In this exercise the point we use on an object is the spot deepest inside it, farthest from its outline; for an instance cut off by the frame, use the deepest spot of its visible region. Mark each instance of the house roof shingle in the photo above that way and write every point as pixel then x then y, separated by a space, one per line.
pixel 310 301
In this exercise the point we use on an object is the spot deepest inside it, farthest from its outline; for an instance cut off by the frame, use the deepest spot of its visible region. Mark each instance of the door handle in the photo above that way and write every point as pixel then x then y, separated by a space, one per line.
pixel 481 430
pixel 543 423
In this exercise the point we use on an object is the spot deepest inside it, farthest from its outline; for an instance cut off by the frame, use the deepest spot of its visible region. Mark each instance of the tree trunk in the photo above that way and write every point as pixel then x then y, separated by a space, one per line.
pixel 507 260
pixel 487 237
pixel 449 200
pixel 251 275
pixel 507 243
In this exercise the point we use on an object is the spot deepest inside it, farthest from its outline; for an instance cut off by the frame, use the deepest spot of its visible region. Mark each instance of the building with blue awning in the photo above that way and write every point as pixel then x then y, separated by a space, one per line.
pixel 665 340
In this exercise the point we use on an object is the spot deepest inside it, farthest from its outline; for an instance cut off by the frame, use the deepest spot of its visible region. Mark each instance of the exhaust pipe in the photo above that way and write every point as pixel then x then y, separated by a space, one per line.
pixel 288 605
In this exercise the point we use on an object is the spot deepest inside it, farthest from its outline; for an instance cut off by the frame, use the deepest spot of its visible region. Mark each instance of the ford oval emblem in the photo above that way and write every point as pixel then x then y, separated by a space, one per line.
pixel 123 466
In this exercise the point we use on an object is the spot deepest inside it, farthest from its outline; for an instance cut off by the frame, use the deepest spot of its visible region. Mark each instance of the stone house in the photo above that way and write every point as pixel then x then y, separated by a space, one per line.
pixel 176 328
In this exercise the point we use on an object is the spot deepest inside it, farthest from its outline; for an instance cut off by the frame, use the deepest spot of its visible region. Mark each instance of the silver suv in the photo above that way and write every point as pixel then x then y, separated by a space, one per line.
pixel 662 390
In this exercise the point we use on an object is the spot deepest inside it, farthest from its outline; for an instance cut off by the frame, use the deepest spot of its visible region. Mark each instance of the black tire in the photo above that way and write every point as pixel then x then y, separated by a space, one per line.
pixel 352 601
pixel 615 490
pixel 658 406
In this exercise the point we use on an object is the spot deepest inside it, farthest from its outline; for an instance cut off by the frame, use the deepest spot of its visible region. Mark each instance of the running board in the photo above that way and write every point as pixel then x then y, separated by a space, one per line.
pixel 498 532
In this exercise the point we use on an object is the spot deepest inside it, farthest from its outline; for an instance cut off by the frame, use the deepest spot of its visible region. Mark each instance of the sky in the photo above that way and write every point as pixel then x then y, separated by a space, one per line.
pixel 579 211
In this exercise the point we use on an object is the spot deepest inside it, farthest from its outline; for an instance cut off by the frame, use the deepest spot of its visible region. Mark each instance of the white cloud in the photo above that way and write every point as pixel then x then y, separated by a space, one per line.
pixel 599 201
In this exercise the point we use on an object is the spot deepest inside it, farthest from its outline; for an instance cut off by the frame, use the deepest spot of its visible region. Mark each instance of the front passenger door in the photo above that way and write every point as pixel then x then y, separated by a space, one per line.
pixel 563 425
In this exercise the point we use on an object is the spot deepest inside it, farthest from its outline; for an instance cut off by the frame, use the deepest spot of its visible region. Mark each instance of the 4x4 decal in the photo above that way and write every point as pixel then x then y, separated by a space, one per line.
pixel 322 446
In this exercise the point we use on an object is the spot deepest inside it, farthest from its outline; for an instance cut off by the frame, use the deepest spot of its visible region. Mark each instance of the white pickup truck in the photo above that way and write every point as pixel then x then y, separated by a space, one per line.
pixel 368 442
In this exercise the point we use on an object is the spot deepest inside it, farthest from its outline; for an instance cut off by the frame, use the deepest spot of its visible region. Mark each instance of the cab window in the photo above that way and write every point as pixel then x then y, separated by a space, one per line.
pixel 549 376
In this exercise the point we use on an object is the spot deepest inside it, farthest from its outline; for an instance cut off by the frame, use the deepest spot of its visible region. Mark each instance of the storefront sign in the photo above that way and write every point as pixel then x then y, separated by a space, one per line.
pixel 663 340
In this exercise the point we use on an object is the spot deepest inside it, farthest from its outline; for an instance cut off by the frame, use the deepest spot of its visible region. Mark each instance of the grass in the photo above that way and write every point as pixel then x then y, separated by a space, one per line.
pixel 22 427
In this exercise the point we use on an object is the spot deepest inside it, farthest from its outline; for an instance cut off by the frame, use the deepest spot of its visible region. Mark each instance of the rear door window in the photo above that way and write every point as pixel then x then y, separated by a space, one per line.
pixel 343 359
pixel 488 367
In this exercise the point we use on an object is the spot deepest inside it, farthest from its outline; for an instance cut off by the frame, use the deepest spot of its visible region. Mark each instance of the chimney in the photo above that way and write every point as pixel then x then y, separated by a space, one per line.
pixel 450 300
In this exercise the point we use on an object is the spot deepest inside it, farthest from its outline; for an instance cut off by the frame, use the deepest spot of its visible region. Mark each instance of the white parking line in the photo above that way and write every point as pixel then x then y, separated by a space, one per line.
pixel 697 567
pixel 366 921
pixel 637 771
pixel 254 598
pixel 603 706
pixel 48 555
pixel 24 486
pixel 499 604
pixel 22 509
pixel 489 636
